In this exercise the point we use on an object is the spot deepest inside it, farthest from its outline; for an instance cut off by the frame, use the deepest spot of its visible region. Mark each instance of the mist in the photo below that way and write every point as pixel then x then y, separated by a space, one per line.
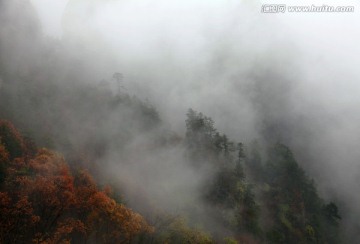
pixel 285 77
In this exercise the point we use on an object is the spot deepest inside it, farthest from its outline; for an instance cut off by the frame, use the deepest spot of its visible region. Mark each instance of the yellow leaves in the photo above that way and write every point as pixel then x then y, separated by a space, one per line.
pixel 310 231
pixel 177 231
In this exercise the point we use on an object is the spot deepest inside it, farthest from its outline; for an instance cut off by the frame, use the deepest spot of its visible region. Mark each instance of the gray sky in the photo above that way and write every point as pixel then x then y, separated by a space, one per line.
pixel 205 55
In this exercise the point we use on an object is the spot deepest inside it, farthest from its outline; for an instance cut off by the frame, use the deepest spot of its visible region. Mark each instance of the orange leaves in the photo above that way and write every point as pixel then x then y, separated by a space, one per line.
pixel 47 162
pixel 62 233
pixel 43 203
pixel 4 154
pixel 46 179
pixel 4 160
pixel 111 222
pixel 4 199
pixel 17 217
pixel 132 223
pixel 12 140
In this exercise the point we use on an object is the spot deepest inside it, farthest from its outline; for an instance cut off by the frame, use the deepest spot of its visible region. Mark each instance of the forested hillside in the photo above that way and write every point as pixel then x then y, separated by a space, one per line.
pixel 82 162
pixel 43 202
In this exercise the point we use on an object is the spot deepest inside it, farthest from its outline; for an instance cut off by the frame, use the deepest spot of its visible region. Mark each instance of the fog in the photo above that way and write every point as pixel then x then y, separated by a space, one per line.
pixel 289 77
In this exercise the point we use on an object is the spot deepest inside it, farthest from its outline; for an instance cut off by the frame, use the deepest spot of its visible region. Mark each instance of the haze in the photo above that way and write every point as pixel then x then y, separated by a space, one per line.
pixel 294 71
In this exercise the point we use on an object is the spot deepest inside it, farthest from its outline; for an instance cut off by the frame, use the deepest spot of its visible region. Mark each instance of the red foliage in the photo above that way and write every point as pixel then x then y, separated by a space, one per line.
pixel 4 154
pixel 17 216
pixel 42 202
pixel 12 140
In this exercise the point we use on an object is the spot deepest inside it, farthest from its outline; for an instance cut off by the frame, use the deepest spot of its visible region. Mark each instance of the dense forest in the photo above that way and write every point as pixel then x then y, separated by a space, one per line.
pixel 64 139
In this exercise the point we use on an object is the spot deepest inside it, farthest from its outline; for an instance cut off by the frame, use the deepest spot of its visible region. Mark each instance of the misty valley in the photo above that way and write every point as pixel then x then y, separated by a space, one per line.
pixel 87 157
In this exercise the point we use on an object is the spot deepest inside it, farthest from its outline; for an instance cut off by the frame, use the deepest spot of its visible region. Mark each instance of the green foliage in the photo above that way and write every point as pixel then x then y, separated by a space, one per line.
pixel 227 190
pixel 205 144
pixel 176 230
pixel 250 213
pixel 283 192
pixel 331 212
pixel 75 116
pixel 201 137
pixel 229 240
pixel 254 162
pixel 297 210
pixel 294 211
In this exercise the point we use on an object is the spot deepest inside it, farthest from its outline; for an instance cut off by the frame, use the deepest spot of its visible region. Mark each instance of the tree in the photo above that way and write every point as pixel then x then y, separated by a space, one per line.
pixel 11 139
pixel 41 202
pixel 299 214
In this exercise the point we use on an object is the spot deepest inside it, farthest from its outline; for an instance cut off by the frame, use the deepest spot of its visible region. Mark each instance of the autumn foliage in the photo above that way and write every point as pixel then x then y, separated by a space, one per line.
pixel 42 201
